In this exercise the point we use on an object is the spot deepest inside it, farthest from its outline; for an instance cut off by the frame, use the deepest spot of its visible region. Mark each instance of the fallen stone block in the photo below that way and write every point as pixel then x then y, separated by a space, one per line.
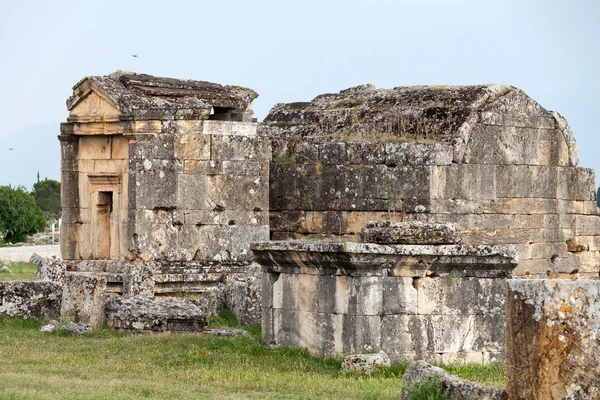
pixel 156 314
pixel 225 332
pixel 410 232
pixel 77 328
pixel 365 364
pixel 418 372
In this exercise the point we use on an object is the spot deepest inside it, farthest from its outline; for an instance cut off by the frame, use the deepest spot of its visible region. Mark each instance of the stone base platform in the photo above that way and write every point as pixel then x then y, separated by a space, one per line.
pixel 441 303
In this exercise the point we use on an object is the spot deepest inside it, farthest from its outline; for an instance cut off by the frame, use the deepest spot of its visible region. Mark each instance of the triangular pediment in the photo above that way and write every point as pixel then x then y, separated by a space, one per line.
pixel 92 105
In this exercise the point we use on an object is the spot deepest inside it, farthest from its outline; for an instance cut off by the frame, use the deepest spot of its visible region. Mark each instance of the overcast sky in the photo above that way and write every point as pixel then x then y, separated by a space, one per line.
pixel 293 51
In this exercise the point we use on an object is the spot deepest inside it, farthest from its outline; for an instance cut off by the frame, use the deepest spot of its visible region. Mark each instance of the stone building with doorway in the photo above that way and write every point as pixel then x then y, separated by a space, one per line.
pixel 164 173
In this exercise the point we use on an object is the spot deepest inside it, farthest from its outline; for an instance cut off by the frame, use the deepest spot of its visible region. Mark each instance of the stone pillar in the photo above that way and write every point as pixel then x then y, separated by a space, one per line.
pixel 552 339
pixel 69 145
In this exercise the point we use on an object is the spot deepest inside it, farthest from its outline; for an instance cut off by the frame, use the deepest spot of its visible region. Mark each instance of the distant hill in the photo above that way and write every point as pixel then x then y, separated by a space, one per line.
pixel 35 148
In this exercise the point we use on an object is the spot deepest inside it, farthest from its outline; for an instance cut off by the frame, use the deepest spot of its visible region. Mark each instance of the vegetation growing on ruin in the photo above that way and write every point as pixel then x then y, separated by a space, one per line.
pixel 20 271
pixel 106 364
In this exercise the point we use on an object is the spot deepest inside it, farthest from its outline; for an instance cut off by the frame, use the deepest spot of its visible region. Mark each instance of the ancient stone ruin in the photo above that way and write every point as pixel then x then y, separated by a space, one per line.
pixel 370 219
pixel 487 158
pixel 165 184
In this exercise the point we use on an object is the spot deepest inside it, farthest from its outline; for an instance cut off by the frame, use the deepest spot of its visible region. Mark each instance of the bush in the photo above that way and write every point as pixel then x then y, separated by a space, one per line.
pixel 19 215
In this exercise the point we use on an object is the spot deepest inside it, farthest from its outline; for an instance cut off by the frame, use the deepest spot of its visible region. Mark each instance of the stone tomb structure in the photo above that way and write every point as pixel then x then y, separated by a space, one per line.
pixel 164 186
pixel 487 158
pixel 167 182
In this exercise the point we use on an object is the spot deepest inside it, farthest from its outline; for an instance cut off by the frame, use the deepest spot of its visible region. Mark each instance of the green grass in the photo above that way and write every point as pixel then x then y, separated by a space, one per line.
pixel 21 271
pixel 108 365
pixel 492 374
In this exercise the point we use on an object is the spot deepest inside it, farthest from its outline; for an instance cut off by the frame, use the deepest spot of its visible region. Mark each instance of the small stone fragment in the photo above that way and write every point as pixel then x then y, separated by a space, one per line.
pixel 225 332
pixel 52 325
pixel 365 364
pixel 5 270
pixel 410 232
pixel 77 328
pixel 457 388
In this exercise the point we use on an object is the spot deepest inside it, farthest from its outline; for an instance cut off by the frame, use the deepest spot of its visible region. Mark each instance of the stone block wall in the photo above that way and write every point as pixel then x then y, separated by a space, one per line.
pixel 503 169
pixel 200 192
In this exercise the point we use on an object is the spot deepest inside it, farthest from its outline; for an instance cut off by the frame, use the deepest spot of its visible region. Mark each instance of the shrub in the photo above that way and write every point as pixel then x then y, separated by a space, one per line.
pixel 19 215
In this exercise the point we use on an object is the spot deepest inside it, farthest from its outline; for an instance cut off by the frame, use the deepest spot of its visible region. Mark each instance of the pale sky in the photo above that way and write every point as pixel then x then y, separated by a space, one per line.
pixel 290 51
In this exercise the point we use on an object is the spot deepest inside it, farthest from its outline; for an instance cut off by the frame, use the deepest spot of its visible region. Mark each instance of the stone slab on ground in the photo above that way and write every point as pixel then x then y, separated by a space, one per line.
pixel 365 364
pixel 457 388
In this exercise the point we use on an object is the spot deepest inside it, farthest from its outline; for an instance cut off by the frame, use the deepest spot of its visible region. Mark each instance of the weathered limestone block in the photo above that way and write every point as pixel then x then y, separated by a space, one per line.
pixel 410 232
pixel 77 329
pixel 236 192
pixel 192 145
pixel 456 388
pixel 333 153
pixel 49 269
pixel 512 145
pixel 239 148
pixel 227 243
pixel 30 299
pixel 576 184
pixel 516 181
pixel 565 129
pixel 408 154
pixel 552 331
pixel 83 298
pixel 465 296
pixel 586 225
pixel 365 364
pixel 365 153
pixel 138 280
pixel 153 183
pixel 155 314
pixel 463 181
pixel 152 147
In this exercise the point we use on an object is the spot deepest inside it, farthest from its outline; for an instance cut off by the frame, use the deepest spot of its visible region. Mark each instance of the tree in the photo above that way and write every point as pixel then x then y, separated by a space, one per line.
pixel 598 197
pixel 19 215
pixel 47 196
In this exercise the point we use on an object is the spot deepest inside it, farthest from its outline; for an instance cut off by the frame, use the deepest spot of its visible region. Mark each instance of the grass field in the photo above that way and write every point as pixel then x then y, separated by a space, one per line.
pixel 21 271
pixel 108 365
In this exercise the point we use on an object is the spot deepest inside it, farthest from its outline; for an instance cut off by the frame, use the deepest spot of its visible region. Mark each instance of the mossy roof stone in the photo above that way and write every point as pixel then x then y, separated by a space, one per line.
pixel 411 113
pixel 130 92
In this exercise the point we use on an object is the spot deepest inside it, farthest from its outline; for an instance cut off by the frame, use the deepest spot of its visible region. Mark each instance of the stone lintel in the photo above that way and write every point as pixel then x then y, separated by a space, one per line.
pixel 485 261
